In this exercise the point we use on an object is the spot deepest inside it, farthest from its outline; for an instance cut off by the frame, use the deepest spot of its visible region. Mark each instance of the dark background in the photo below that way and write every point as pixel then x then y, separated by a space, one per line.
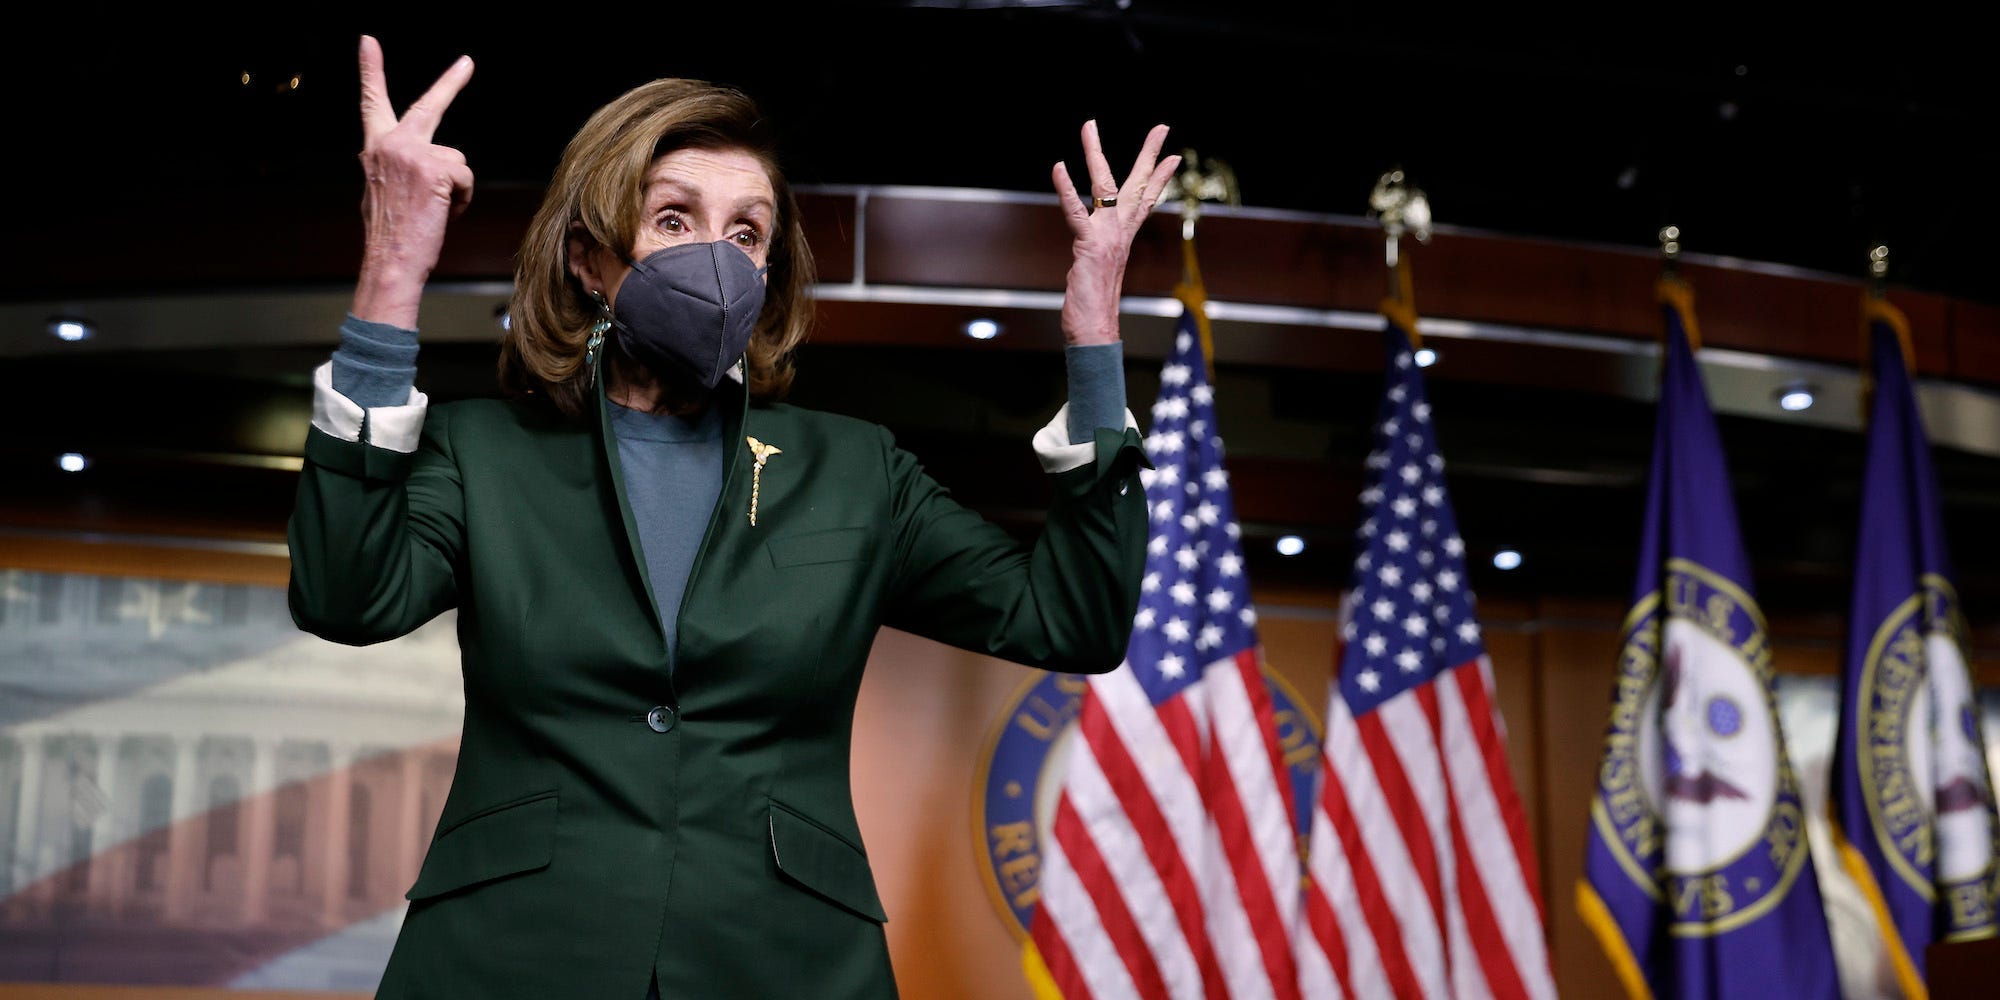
pixel 1777 143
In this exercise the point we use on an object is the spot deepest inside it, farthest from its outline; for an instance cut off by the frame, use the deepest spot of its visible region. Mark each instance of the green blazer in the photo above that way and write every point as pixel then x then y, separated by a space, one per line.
pixel 620 809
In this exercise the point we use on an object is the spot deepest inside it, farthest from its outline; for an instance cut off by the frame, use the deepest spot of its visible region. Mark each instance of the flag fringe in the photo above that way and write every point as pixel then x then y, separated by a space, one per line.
pixel 1880 310
pixel 1194 295
pixel 1675 293
pixel 1892 938
pixel 1400 306
pixel 1040 980
pixel 1405 318
pixel 1598 918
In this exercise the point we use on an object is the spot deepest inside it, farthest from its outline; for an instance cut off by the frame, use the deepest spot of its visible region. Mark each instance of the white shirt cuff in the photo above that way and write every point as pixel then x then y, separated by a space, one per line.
pixel 396 428
pixel 1057 454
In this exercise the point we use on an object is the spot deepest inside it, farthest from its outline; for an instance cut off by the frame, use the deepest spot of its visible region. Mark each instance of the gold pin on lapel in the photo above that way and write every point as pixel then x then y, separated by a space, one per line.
pixel 763 453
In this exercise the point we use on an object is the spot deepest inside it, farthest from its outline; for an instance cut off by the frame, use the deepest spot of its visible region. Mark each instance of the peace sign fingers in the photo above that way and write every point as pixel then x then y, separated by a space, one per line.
pixel 378 116
pixel 413 188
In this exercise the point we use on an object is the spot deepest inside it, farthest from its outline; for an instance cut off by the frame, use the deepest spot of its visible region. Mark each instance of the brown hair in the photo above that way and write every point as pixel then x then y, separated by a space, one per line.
pixel 598 187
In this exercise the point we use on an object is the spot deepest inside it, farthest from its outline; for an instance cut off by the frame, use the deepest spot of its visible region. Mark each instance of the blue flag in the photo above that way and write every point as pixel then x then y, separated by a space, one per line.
pixel 1912 801
pixel 1698 879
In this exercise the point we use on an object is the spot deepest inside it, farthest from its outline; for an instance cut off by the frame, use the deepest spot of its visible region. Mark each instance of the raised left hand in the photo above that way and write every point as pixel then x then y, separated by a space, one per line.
pixel 1103 236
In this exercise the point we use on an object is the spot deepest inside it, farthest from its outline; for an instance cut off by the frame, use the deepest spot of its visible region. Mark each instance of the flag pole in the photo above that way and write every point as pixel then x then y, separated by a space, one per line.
pixel 1673 290
pixel 1198 181
pixel 1408 659
pixel 1401 207
pixel 1876 308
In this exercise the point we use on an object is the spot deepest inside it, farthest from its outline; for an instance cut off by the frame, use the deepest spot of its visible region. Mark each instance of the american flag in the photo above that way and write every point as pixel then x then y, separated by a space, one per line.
pixel 1174 869
pixel 1422 879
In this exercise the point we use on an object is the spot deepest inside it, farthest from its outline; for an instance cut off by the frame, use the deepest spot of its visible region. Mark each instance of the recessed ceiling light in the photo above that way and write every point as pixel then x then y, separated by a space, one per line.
pixel 1795 397
pixel 982 328
pixel 71 329
pixel 70 461
pixel 1506 559
pixel 1291 545
pixel 1426 357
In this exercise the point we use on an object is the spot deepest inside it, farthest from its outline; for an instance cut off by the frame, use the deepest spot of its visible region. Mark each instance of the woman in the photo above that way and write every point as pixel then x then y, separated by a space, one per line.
pixel 667 583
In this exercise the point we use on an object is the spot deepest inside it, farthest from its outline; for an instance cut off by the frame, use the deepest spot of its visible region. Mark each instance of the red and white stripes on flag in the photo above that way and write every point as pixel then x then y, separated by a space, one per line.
pixel 1419 860
pixel 1421 876
pixel 1173 868
pixel 1148 890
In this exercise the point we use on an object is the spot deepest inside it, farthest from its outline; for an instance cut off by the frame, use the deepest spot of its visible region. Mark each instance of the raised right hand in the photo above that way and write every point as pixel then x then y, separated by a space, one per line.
pixel 413 188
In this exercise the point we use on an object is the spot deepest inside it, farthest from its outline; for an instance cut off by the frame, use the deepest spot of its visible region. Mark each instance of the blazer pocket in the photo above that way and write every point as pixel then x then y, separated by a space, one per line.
pixel 807 547
pixel 824 862
pixel 508 839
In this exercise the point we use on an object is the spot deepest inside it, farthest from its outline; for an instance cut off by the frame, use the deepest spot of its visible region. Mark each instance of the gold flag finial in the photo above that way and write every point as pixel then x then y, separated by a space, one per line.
pixel 1401 207
pixel 1878 269
pixel 1197 181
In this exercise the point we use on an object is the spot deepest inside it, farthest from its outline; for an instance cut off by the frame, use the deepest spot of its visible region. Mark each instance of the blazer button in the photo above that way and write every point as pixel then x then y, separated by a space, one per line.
pixel 661 718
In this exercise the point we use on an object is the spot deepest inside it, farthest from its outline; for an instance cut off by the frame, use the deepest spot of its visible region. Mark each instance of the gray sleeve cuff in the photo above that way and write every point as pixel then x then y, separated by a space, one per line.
pixel 1096 389
pixel 375 364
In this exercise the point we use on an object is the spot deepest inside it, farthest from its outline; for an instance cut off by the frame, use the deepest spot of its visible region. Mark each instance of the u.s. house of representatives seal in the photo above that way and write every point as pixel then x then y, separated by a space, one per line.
pixel 1021 774
pixel 1929 797
pixel 1697 799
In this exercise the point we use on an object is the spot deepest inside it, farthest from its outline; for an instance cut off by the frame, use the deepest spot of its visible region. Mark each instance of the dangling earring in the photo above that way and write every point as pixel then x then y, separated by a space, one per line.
pixel 596 343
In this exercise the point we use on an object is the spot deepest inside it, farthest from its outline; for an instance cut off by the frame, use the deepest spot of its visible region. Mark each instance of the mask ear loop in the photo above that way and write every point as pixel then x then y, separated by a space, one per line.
pixel 593 349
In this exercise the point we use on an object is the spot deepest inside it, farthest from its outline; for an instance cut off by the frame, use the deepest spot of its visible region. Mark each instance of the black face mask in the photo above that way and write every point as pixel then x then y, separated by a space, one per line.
pixel 687 312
